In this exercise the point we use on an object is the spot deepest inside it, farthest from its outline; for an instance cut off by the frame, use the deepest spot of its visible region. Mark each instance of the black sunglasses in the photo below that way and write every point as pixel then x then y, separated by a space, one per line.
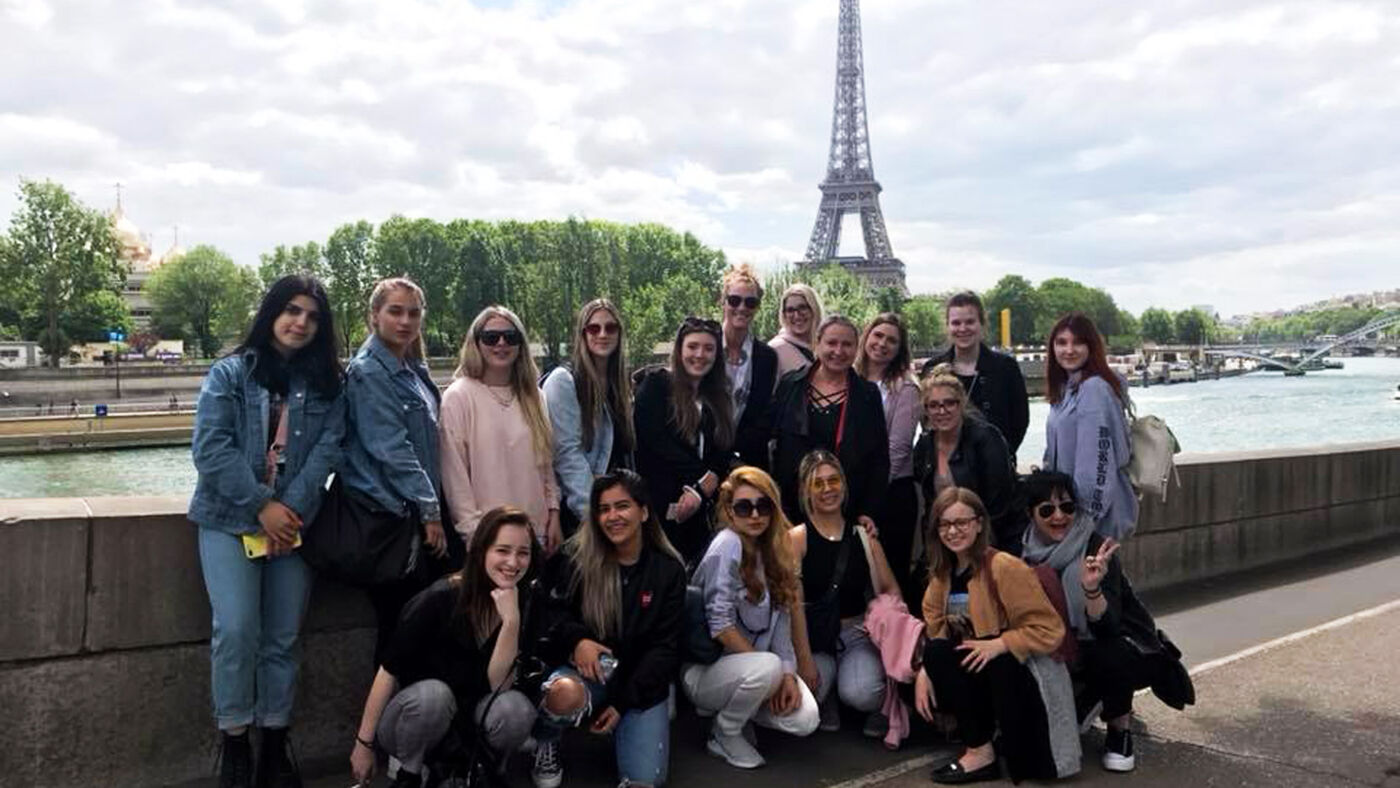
pixel 1045 510
pixel 594 329
pixel 735 302
pixel 703 324
pixel 491 337
pixel 744 507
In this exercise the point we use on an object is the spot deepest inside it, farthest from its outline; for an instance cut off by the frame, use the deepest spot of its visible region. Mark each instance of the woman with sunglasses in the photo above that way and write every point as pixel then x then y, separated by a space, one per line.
pixel 391 446
pixel 684 419
pixel 496 448
pixel 751 366
pixel 749 581
pixel 1118 647
pixel 267 434
pixel 828 406
pixel 883 358
pixel 590 409
pixel 1086 433
pixel 986 614
pixel 799 314
pixel 960 449
pixel 834 605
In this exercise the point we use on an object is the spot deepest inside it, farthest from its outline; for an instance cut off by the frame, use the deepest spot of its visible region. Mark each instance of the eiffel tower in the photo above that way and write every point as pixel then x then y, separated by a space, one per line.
pixel 850 184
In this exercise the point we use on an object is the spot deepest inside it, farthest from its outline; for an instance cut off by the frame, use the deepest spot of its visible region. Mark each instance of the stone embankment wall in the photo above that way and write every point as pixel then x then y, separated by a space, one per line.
pixel 104 671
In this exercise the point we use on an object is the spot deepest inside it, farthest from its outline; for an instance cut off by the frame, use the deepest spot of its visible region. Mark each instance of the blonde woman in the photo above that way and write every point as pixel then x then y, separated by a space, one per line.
pixel 590 409
pixel 749 580
pixel 495 439
pixel 799 314
pixel 751 366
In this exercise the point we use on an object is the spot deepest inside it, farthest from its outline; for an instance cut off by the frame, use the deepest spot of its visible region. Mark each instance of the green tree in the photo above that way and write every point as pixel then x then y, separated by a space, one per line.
pixel 1158 326
pixel 842 293
pixel 420 250
pixel 59 254
pixel 923 316
pixel 304 259
pixel 349 256
pixel 654 310
pixel 1193 327
pixel 1020 296
pixel 203 297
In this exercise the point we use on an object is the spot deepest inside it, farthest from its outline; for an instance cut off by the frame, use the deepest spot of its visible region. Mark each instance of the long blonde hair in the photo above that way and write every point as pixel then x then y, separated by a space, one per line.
pixel 524 377
pixel 610 385
pixel 597 578
pixel 774 548
pixel 380 294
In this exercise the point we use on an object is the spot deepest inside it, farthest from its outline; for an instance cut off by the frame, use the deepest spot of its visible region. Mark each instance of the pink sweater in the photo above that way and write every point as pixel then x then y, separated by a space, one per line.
pixel 487 460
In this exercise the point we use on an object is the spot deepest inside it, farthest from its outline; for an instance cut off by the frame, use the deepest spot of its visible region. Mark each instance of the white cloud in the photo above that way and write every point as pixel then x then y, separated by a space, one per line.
pixel 1239 152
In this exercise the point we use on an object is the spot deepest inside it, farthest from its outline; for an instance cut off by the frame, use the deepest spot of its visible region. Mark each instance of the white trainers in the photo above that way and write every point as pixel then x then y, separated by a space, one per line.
pixel 1118 751
pixel 548 771
pixel 735 751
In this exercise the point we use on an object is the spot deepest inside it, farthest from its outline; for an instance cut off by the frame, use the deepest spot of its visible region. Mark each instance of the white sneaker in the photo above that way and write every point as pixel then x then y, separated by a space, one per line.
pixel 1118 751
pixel 735 751
pixel 548 771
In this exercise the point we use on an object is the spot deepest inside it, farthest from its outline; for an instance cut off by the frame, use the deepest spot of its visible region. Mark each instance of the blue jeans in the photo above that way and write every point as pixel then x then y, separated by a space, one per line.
pixel 641 740
pixel 258 607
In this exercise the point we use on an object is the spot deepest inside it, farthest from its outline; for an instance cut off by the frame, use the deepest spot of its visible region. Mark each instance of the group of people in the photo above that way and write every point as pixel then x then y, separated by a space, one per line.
pixel 749 522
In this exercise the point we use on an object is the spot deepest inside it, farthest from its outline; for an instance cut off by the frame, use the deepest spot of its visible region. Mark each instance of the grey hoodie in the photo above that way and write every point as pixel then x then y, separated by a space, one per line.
pixel 1086 437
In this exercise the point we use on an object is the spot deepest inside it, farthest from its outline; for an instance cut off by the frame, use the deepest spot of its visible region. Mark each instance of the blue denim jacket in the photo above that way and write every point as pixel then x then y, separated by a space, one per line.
pixel 391 442
pixel 230 447
pixel 575 466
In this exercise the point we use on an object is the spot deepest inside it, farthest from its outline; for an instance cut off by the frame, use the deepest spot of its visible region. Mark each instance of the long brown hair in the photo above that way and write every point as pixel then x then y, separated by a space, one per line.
pixel 774 548
pixel 1083 329
pixel 941 560
pixel 524 377
pixel 610 385
pixel 898 368
pixel 597 578
pixel 380 294
pixel 713 390
pixel 475 611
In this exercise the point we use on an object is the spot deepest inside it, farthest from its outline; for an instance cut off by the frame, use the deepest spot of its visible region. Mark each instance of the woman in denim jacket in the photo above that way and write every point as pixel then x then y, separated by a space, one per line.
pixel 391 446
pixel 267 433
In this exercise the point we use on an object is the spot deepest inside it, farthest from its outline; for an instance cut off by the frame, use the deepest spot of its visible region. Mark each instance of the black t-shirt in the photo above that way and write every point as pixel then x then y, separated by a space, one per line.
pixel 820 562
pixel 424 646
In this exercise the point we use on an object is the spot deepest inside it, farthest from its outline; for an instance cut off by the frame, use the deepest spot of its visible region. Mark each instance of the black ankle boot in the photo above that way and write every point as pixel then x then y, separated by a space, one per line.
pixel 236 761
pixel 276 768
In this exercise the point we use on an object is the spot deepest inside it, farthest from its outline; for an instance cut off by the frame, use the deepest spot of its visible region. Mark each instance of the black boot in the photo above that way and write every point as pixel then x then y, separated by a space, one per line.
pixel 236 761
pixel 275 766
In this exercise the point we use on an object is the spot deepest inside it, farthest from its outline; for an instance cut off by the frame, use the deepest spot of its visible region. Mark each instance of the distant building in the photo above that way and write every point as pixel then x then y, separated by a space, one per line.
pixel 18 355
pixel 136 255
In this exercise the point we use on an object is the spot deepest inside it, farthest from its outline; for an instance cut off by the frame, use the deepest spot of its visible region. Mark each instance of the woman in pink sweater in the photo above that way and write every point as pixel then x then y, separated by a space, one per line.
pixel 495 438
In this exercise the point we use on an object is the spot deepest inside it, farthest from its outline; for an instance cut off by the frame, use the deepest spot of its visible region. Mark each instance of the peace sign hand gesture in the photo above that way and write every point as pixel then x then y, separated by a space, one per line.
pixel 1096 565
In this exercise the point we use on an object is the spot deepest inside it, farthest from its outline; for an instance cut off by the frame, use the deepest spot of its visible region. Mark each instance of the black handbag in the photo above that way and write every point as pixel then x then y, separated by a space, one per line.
pixel 824 615
pixel 355 541
pixel 696 644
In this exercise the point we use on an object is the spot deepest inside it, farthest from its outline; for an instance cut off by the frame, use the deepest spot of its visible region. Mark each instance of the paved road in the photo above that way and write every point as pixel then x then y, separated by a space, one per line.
pixel 1319 712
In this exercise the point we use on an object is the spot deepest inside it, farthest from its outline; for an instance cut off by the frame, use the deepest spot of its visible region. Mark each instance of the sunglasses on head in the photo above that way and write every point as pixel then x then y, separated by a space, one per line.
pixel 491 337
pixel 608 329
pixel 744 507
pixel 735 302
pixel 702 324
pixel 1046 510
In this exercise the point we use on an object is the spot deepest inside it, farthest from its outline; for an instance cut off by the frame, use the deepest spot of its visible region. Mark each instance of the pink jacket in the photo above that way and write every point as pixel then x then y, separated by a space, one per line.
pixel 898 636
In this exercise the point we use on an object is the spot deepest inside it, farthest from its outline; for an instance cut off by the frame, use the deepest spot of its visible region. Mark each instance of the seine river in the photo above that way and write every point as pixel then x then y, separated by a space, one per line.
pixel 1256 411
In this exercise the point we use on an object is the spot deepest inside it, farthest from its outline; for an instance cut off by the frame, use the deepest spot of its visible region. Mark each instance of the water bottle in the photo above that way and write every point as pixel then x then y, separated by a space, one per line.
pixel 607 664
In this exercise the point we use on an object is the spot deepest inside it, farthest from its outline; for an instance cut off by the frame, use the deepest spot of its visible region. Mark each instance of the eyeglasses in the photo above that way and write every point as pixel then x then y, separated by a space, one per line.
pixel 735 302
pixel 800 309
pixel 608 329
pixel 744 507
pixel 830 483
pixel 960 524
pixel 492 337
pixel 942 404
pixel 1046 510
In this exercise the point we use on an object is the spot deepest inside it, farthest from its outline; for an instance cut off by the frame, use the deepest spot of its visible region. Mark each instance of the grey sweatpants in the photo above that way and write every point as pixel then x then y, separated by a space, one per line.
pixel 855 671
pixel 419 715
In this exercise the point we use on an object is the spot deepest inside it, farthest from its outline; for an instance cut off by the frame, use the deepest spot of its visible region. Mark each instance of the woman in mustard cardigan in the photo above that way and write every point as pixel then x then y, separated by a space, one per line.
pixel 986 614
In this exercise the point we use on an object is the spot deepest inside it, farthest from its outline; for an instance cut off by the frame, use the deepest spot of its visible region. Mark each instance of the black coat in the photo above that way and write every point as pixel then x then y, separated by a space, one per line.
pixel 751 436
pixel 647 649
pixel 999 391
pixel 1124 615
pixel 981 463
pixel 864 450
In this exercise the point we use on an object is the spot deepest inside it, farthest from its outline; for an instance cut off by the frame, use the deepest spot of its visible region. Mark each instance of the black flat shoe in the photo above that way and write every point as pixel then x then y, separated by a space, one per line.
pixel 954 774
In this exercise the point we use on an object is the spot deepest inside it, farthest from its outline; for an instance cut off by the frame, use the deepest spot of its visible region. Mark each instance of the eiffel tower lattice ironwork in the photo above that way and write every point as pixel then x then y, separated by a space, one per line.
pixel 850 185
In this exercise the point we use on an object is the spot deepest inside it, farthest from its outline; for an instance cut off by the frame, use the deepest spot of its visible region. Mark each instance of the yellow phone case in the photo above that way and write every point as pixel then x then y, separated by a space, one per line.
pixel 255 545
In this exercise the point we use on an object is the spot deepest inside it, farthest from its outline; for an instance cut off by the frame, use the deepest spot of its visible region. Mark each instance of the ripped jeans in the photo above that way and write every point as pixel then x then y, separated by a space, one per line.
pixel 641 740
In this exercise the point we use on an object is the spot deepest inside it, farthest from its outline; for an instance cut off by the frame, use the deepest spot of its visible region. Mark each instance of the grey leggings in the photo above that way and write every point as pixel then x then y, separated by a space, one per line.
pixel 855 670
pixel 419 715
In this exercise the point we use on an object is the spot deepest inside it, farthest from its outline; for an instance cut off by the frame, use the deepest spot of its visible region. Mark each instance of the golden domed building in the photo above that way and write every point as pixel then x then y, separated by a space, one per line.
pixel 136 255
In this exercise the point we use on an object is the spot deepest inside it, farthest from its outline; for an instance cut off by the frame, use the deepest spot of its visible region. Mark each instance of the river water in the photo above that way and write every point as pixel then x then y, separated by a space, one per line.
pixel 1256 411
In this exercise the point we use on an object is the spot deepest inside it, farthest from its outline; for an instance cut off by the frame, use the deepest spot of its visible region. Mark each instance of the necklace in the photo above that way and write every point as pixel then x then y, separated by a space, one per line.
pixel 509 398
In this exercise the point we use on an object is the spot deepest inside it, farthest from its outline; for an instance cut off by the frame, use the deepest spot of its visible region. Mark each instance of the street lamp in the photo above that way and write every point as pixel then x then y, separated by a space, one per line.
pixel 117 336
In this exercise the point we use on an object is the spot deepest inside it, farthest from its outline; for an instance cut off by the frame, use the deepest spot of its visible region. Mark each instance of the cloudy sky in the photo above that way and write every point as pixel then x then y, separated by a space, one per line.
pixel 1236 153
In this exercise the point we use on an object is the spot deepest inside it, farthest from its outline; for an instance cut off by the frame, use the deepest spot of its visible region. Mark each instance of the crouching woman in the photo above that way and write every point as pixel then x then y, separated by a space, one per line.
pixel 455 647
pixel 986 615
pixel 616 600
pixel 749 580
